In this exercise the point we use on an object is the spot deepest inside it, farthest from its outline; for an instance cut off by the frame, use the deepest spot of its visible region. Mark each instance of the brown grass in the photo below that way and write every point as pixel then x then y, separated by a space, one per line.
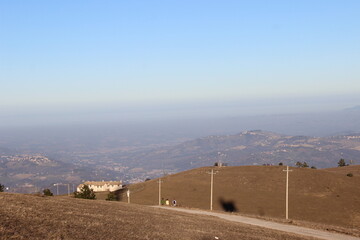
pixel 354 169
pixel 319 196
pixel 34 217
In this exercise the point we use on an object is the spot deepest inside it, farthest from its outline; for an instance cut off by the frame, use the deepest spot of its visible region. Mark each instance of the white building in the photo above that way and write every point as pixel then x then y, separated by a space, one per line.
pixel 102 186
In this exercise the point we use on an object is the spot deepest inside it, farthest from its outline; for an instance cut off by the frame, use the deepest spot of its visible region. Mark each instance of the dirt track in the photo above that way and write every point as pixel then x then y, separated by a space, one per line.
pixel 267 224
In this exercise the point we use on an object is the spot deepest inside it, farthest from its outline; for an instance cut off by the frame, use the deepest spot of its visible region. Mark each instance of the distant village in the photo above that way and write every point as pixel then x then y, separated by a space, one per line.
pixel 37 159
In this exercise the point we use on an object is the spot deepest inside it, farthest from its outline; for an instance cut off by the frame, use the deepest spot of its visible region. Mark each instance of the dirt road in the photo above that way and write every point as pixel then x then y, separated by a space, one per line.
pixel 267 224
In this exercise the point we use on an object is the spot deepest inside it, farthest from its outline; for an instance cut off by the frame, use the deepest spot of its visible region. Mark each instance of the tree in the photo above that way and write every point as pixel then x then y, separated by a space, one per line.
pixel 2 187
pixel 342 163
pixel 313 167
pixel 47 192
pixel 302 165
pixel 85 192
pixel 111 197
pixel 281 164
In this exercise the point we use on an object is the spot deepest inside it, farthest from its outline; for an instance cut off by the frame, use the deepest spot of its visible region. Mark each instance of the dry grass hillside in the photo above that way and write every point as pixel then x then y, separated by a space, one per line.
pixel 34 217
pixel 322 196
pixel 354 169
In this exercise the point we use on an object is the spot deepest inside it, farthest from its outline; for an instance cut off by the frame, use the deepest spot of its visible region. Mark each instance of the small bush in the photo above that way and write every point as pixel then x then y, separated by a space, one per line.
pixel 302 165
pixel 349 175
pixel 2 187
pixel 111 197
pixel 342 163
pixel 47 192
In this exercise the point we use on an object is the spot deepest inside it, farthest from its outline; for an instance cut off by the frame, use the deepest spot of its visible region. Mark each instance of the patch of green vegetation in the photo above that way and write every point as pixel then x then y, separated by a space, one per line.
pixel 111 197
pixel 47 192
pixel 86 193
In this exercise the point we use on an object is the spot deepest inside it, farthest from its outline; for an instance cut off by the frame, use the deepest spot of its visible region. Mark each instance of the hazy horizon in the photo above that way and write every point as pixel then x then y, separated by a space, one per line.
pixel 85 62
pixel 149 113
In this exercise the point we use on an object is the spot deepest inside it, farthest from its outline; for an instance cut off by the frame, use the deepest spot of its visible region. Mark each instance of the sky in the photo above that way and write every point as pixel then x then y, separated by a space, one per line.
pixel 71 57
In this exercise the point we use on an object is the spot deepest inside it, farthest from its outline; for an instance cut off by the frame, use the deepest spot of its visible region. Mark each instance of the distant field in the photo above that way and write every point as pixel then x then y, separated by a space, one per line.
pixel 321 196
pixel 34 217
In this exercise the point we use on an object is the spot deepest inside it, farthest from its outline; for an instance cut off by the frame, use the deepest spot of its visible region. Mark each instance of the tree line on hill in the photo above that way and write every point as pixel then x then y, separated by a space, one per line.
pixel 341 163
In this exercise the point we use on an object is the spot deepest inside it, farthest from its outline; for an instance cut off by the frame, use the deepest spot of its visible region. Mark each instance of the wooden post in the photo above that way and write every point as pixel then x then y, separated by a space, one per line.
pixel 287 192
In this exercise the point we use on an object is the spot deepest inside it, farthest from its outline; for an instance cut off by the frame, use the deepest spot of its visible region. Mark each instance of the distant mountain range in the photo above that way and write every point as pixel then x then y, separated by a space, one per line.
pixel 30 172
pixel 256 148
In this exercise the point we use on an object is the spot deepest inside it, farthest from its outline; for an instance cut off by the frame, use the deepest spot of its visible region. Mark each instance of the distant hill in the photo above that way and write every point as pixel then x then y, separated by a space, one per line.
pixel 321 196
pixel 355 108
pixel 254 148
pixel 33 217
pixel 28 173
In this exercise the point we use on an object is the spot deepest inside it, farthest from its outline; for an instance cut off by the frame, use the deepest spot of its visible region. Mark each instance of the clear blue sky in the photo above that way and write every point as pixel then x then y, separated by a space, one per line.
pixel 85 53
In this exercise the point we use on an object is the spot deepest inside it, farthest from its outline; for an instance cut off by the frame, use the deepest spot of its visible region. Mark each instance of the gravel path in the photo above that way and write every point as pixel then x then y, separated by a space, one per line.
pixel 268 224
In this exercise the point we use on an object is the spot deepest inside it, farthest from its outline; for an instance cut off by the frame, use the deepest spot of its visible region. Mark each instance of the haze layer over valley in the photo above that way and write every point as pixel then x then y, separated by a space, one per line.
pixel 34 157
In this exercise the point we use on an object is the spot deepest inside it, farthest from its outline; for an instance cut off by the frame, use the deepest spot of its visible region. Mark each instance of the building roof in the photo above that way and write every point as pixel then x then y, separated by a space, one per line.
pixel 102 183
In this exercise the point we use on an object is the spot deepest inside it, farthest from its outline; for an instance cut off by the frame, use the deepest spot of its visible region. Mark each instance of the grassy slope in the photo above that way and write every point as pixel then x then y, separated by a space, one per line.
pixel 320 196
pixel 354 169
pixel 33 217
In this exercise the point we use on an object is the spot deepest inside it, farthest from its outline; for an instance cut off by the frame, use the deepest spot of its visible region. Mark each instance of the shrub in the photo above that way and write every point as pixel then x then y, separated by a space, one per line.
pixel 47 192
pixel 2 187
pixel 111 197
pixel 349 175
pixel 302 165
pixel 85 192
pixel 342 163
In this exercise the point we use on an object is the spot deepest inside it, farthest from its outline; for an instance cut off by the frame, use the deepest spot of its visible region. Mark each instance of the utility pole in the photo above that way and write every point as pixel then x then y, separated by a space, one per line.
pixel 211 188
pixel 160 181
pixel 221 156
pixel 68 189
pixel 287 191
pixel 57 189
pixel 128 195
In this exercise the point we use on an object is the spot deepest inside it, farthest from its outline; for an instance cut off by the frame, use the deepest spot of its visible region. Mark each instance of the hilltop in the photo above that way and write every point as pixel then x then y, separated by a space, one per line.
pixel 34 217
pixel 320 196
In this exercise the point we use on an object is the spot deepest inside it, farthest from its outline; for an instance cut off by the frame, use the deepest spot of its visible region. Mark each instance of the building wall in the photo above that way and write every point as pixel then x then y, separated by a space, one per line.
pixel 102 188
